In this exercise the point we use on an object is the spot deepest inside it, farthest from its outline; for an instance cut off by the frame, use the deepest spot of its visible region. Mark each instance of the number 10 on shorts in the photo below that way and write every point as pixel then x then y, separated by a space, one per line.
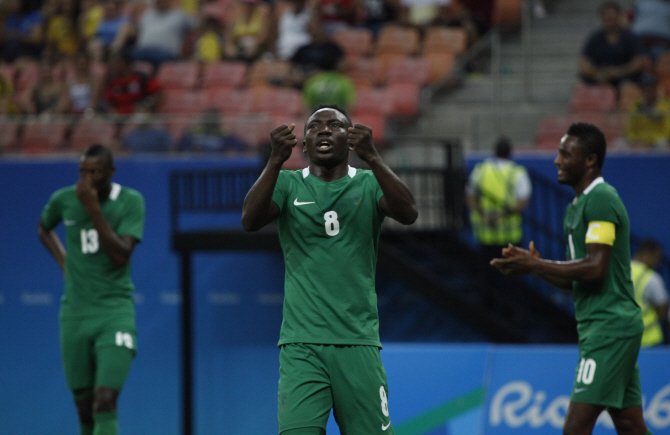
pixel 586 372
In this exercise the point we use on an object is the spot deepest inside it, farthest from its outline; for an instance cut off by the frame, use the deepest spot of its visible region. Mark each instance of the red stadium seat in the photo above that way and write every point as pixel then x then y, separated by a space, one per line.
pixel 8 71
pixel 42 137
pixel 266 72
pixel 278 101
pixel 440 39
pixel 593 98
pixel 178 75
pixel 629 92
pixel 354 41
pixel 88 132
pixel 551 129
pixel 506 13
pixel 224 74
pixel 184 101
pixel 231 101
pixel 409 69
pixel 398 39
pixel 28 73
pixel 373 100
pixel 365 71
pixel 440 65
pixel 9 137
pixel 254 129
pixel 376 121
pixel 405 99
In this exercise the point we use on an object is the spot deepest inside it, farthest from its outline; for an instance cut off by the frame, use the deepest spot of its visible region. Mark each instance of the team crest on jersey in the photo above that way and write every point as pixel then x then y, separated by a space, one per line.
pixel 356 197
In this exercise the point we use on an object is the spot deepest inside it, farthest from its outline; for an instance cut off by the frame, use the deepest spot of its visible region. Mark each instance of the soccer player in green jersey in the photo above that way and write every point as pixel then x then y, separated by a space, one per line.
pixel 597 272
pixel 103 223
pixel 329 218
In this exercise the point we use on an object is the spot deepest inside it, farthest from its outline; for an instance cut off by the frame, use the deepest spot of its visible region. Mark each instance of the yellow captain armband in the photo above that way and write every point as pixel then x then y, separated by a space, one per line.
pixel 601 232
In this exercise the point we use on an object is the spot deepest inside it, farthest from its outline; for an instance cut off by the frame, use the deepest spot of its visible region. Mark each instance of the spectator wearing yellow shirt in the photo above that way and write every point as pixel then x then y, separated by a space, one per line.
pixel 648 121
pixel 61 30
pixel 209 46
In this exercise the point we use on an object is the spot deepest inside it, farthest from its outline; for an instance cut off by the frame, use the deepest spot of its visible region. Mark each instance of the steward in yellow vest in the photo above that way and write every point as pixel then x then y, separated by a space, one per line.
pixel 650 292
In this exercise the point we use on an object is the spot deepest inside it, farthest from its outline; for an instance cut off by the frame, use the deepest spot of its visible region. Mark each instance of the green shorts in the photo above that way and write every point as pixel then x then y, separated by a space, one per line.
pixel 607 373
pixel 351 380
pixel 97 352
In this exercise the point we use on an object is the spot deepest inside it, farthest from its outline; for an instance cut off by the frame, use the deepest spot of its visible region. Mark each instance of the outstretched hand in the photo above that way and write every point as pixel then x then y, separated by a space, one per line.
pixel 282 141
pixel 517 260
pixel 360 140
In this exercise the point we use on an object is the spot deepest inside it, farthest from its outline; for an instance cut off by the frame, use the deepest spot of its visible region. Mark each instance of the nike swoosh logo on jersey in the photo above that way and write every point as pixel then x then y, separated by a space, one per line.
pixel 386 426
pixel 68 223
pixel 579 390
pixel 296 202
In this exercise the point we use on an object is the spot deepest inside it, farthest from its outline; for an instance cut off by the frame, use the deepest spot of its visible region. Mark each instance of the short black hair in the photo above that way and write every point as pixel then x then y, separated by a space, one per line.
pixel 99 150
pixel 591 139
pixel 648 245
pixel 503 147
pixel 333 107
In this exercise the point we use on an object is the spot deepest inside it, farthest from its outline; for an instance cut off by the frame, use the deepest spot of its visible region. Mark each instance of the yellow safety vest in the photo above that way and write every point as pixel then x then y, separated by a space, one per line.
pixel 653 334
pixel 496 193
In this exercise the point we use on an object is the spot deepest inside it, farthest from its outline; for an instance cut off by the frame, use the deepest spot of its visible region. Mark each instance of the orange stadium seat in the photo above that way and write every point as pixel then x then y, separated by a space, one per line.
pixel 265 72
pixel 409 69
pixel 231 101
pixel 405 99
pixel 43 137
pixel 183 101
pixel 373 100
pixel 593 98
pixel 376 121
pixel 224 74
pixel 278 101
pixel 398 39
pixel 440 39
pixel 9 137
pixel 88 132
pixel 354 41
pixel 365 71
pixel 440 65
pixel 178 75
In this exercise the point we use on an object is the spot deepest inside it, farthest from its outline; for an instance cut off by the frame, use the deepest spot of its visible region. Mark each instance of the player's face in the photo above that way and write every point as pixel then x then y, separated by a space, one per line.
pixel 326 134
pixel 570 161
pixel 96 171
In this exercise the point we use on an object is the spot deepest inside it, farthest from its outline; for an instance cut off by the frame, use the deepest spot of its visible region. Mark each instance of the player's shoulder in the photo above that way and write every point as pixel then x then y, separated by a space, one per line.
pixel 129 192
pixel 604 191
pixel 63 193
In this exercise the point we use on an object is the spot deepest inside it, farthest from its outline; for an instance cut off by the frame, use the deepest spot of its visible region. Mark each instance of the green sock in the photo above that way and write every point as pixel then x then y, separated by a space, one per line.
pixel 85 429
pixel 106 423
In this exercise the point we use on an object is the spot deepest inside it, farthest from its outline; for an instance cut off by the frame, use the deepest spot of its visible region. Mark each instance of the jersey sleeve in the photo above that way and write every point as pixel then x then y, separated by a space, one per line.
pixel 52 213
pixel 601 207
pixel 132 223
pixel 281 189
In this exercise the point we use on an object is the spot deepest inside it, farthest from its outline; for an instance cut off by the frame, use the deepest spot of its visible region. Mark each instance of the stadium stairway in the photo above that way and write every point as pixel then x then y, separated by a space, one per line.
pixel 432 287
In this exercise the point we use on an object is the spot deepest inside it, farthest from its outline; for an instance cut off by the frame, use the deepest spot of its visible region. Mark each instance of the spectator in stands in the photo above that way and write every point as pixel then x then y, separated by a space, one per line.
pixel 61 27
pixel 247 30
pixel 651 22
pixel 650 292
pixel 612 54
pixel 145 137
pixel 648 121
pixel 84 86
pixel 210 136
pixel 21 32
pixel 7 105
pixel 108 32
pixel 161 32
pixel 378 13
pixel 497 193
pixel 318 55
pixel 126 87
pixel 454 14
pixel 336 14
pixel 209 45
pixel 46 96
pixel 481 12
pixel 293 28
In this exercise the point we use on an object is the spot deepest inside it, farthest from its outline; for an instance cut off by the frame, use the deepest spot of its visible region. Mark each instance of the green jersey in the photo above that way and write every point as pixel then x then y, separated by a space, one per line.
pixel 94 285
pixel 607 307
pixel 329 233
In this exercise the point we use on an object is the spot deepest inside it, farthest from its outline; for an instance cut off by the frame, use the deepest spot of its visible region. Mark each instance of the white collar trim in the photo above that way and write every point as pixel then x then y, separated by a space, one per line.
pixel 305 172
pixel 593 184
pixel 351 172
pixel 116 189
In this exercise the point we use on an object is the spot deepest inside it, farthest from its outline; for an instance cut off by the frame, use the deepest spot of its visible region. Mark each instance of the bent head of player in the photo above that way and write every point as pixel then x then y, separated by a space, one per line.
pixel 581 155
pixel 326 135
pixel 96 168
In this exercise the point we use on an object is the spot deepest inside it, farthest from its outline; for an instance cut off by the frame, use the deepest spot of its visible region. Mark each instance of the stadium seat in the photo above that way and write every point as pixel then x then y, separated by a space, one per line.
pixel 224 74
pixel 376 100
pixel 231 101
pixel 9 137
pixel 178 75
pixel 266 72
pixel 593 98
pixel 385 60
pixel 440 39
pixel 552 128
pixel 397 39
pixel 42 137
pixel 376 121
pixel 409 69
pixel 278 101
pixel 440 66
pixel 184 101
pixel 354 41
pixel 8 71
pixel 27 74
pixel 628 93
pixel 218 9
pixel 88 132
pixel 365 71
pixel 506 13
pixel 550 131
pixel 405 99
pixel 254 129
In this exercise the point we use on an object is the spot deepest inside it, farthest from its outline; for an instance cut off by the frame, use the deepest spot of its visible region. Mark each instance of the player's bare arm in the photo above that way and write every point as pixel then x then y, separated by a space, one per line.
pixel 118 248
pixel 593 267
pixel 397 202
pixel 52 242
pixel 259 209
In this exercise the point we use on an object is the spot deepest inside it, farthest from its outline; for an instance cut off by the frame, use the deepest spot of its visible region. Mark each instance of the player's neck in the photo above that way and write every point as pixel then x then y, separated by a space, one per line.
pixel 329 174
pixel 586 181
